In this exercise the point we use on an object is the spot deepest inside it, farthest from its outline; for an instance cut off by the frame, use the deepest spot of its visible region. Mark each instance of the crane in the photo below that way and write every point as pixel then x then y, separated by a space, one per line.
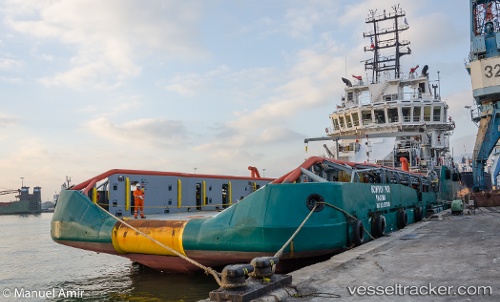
pixel 8 192
pixel 484 69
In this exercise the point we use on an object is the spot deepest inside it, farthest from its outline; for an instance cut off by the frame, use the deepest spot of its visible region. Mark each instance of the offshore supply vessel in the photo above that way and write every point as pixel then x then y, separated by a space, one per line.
pixel 389 168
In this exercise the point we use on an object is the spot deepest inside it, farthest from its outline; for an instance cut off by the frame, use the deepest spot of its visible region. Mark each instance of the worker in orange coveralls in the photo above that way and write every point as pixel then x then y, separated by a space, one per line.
pixel 139 201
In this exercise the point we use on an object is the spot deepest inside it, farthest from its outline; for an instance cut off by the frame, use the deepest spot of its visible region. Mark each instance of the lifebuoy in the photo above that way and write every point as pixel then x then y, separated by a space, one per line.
pixel 378 226
pixel 418 214
pixel 402 219
pixel 358 232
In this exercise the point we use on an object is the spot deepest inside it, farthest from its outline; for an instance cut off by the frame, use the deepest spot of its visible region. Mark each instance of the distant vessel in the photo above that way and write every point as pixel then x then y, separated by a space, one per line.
pixel 27 203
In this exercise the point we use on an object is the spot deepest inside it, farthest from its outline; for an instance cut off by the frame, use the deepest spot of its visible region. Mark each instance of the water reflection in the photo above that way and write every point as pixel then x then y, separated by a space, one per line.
pixel 33 262
pixel 143 284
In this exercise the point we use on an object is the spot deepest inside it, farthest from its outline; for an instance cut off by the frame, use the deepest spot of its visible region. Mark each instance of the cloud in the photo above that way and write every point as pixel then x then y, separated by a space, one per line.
pixel 465 131
pixel 223 83
pixel 107 38
pixel 359 10
pixel 307 84
pixel 142 132
pixel 8 120
pixel 187 85
pixel 26 154
pixel 13 80
pixel 9 64
pixel 301 20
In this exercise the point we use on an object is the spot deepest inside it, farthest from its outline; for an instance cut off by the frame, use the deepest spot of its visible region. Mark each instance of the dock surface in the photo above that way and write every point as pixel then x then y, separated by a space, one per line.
pixel 446 258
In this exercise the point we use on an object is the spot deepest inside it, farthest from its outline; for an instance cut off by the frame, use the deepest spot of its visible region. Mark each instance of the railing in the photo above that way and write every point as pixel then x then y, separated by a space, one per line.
pixel 87 185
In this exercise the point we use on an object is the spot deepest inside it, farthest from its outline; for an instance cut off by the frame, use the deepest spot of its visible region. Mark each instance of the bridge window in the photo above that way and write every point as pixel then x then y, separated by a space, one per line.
pixel 335 124
pixel 379 116
pixel 367 117
pixel 421 89
pixel 406 114
pixel 355 119
pixel 350 96
pixel 348 120
pixel 416 114
pixel 392 114
pixel 436 114
pixel 427 113
pixel 341 122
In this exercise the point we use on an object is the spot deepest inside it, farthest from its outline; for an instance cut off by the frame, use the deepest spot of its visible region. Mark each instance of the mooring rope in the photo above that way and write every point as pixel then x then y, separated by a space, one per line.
pixel 280 252
pixel 208 270
pixel 339 209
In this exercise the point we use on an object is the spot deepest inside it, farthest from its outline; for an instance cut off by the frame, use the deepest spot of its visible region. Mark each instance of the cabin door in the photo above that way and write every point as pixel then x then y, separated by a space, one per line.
pixel 198 196
pixel 224 195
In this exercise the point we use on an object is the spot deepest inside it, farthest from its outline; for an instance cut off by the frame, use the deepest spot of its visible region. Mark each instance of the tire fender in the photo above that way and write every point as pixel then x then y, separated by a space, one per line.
pixel 378 226
pixel 402 219
pixel 358 233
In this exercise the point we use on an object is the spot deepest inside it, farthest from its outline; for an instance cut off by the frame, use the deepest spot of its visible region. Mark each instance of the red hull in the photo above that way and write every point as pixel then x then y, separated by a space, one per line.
pixel 487 199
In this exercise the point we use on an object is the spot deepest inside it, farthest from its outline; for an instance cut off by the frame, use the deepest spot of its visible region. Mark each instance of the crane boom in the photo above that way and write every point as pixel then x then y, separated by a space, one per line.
pixel 8 192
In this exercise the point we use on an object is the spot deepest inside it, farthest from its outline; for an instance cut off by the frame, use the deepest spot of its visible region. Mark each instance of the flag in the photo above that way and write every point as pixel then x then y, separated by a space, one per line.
pixel 406 21
pixel 359 78
pixel 372 45
pixel 412 70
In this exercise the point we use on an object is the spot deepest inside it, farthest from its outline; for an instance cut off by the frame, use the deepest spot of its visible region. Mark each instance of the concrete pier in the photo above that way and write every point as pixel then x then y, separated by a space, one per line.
pixel 446 258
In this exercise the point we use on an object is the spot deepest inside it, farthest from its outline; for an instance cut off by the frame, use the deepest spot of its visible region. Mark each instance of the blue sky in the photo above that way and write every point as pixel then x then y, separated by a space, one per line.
pixel 89 85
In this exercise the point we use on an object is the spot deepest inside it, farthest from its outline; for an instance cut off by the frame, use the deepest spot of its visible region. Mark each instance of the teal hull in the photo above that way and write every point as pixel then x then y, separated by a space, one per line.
pixel 80 223
pixel 347 214
pixel 264 221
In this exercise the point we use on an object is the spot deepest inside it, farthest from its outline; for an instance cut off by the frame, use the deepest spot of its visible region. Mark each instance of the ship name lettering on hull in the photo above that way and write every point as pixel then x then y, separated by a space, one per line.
pixel 380 195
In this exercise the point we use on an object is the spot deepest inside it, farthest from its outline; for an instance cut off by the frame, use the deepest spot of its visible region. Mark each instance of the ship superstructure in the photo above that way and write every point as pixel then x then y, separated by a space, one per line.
pixel 390 114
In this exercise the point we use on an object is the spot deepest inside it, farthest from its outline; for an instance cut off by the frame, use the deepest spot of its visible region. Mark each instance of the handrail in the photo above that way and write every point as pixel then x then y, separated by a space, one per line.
pixel 89 183
pixel 293 175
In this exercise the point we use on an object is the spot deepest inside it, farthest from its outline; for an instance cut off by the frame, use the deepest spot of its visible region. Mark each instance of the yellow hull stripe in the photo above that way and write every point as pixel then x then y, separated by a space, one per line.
pixel 126 240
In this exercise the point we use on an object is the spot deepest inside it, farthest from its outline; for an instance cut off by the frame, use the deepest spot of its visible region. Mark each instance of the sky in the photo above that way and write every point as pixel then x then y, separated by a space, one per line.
pixel 88 85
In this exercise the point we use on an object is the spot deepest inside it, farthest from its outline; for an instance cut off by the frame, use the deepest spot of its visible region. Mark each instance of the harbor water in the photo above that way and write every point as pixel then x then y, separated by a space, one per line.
pixel 35 268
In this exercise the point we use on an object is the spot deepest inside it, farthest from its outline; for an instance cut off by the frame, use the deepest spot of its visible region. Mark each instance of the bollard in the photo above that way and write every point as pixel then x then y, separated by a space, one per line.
pixel 235 287
pixel 234 275
pixel 263 266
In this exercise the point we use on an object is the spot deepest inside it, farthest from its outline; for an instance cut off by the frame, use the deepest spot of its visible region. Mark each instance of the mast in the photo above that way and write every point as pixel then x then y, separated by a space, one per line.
pixel 383 39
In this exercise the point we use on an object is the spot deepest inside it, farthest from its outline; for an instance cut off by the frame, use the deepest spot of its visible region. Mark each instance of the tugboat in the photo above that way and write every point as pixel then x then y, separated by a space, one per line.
pixel 395 127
